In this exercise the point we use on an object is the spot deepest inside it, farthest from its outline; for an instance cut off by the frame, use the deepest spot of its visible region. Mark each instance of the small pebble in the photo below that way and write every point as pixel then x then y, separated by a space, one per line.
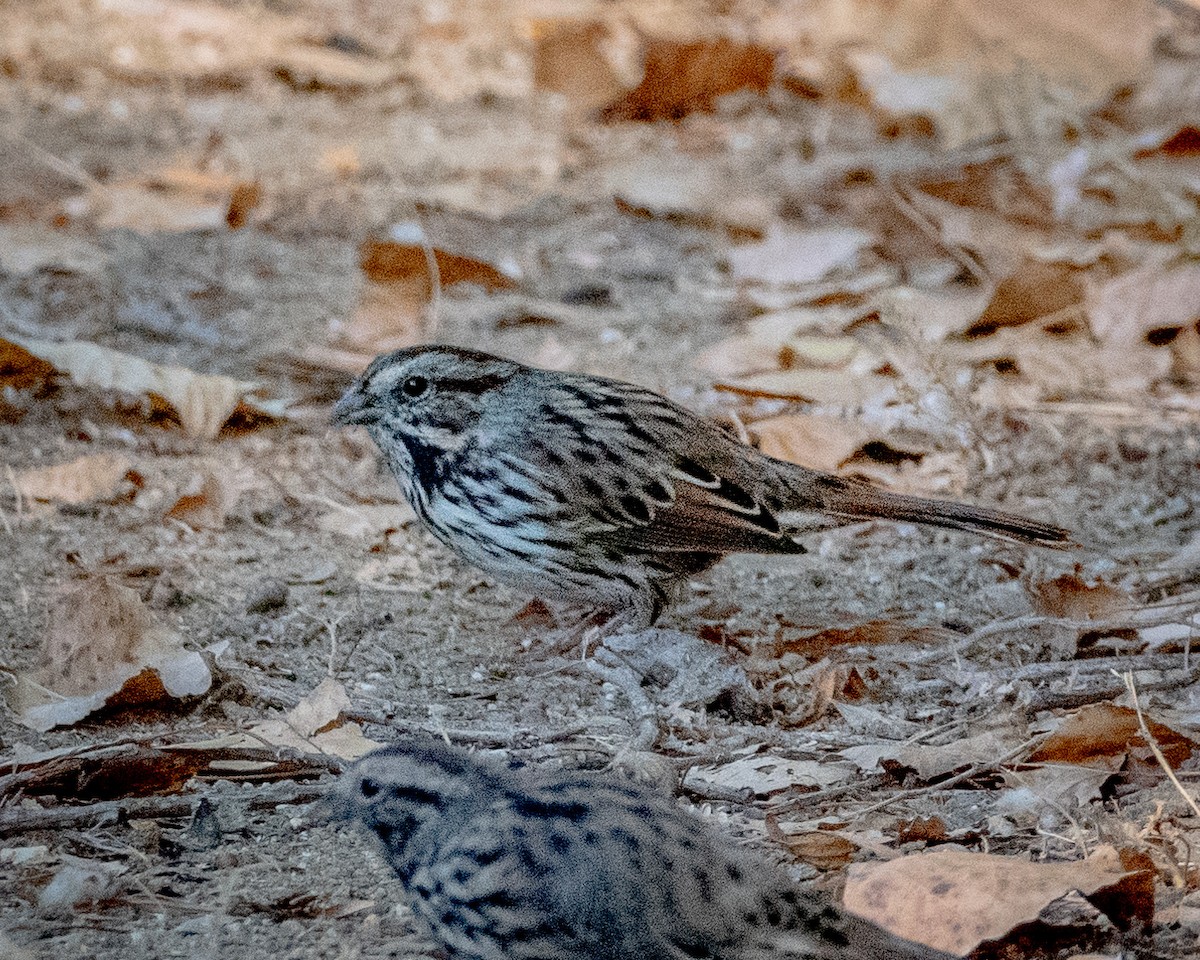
pixel 267 596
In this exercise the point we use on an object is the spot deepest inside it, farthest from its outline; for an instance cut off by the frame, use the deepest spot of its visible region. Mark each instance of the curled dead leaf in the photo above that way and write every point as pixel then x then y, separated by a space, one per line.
pixel 821 849
pixel 1095 734
pixel 243 199
pixel 1068 596
pixel 21 369
pixel 103 647
pixel 206 504
pixel 101 476
pixel 386 261
pixel 681 78
pixel 203 402
pixel 316 725
pixel 1035 290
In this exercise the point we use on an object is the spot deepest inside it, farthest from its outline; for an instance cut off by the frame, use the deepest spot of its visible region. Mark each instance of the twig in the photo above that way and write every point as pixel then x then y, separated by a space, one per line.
pixel 29 819
pixel 71 171
pixel 1154 747
pixel 1066 699
pixel 922 223
pixel 1149 661
pixel 954 781
pixel 1153 615
pixel 817 797
pixel 435 278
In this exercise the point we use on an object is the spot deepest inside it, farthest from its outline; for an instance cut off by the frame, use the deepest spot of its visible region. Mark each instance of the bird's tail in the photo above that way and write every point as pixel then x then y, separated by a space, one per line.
pixel 852 500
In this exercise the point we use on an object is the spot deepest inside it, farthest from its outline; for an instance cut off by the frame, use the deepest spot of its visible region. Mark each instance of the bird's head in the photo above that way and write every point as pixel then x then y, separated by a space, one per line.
pixel 398 790
pixel 431 396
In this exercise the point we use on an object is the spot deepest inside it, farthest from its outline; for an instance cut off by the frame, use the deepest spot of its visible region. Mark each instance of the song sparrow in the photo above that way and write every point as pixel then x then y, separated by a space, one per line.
pixel 504 863
pixel 598 491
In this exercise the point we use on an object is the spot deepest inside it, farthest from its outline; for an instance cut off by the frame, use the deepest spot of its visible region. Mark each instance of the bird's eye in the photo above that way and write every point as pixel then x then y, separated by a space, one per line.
pixel 414 386
pixel 369 788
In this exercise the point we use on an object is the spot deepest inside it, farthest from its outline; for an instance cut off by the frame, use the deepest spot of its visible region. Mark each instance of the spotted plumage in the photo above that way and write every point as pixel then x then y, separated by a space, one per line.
pixel 506 863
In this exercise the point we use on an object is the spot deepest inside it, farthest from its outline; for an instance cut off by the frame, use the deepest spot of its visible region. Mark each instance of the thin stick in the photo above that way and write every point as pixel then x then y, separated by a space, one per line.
pixel 964 259
pixel 435 278
pixel 1154 747
pixel 26 819
pixel 957 779
pixel 69 170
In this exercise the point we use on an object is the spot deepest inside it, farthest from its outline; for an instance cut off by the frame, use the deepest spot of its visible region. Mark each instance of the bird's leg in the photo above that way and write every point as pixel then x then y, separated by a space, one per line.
pixel 611 669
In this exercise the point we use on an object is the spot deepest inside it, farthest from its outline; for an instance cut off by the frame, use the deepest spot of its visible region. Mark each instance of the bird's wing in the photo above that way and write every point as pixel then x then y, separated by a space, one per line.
pixel 635 471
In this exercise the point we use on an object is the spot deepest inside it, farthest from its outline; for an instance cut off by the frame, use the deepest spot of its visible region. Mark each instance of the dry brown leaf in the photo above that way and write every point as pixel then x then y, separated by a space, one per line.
pixel 822 849
pixel 826 388
pixel 1145 304
pixel 104 647
pixel 101 476
pixel 21 369
pixel 206 504
pixel 985 68
pixel 822 443
pixel 1068 596
pixel 763 774
pixel 366 520
pixel 244 198
pixel 791 256
pixel 922 830
pixel 315 725
pixel 1100 732
pixel 1035 290
pixel 203 402
pixel 576 58
pixel 681 78
pixel 869 633
pixel 391 308
pixel 388 261
pixel 1184 142
pixel 954 900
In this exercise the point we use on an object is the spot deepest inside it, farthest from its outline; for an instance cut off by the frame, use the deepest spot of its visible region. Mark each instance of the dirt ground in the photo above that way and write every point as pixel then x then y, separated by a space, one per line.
pixel 944 636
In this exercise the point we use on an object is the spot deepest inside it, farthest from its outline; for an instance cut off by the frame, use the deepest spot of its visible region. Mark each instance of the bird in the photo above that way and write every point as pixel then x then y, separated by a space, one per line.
pixel 599 492
pixel 504 863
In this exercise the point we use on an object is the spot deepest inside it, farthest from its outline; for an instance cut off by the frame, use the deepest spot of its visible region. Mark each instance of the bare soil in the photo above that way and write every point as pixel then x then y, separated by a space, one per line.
pixel 420 641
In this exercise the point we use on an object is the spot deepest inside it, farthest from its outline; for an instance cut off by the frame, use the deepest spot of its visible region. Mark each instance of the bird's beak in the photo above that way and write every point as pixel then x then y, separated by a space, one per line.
pixel 355 407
